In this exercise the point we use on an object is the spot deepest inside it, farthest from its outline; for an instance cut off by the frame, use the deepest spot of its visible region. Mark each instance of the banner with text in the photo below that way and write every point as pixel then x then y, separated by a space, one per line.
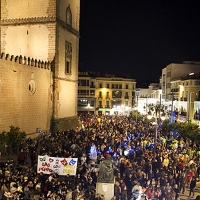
pixel 61 166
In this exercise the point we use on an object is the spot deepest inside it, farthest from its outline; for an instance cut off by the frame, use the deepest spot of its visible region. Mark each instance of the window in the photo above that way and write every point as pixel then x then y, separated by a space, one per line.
pixel 117 94
pixel 68 57
pixel 83 92
pixel 186 94
pixel 100 85
pixel 113 86
pixel 120 86
pixel 100 104
pixel 68 16
pixel 92 92
pixel 107 94
pixel 107 104
pixel 83 83
pixel 100 94
pixel 107 86
pixel 126 86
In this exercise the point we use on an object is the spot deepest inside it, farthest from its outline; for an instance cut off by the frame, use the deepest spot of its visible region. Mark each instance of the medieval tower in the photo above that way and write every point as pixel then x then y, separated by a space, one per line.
pixel 39 63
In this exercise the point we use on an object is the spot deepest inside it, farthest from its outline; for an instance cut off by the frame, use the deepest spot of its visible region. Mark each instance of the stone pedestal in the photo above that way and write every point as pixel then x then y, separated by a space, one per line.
pixel 106 189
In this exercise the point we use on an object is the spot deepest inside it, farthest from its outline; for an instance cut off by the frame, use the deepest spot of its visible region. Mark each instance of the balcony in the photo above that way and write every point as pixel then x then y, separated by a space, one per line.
pixel 197 116
pixel 107 97
pixel 116 97
pixel 100 97
pixel 183 113
pixel 175 90
pixel 126 97
pixel 92 86
pixel 107 106
pixel 99 106
pixel 183 99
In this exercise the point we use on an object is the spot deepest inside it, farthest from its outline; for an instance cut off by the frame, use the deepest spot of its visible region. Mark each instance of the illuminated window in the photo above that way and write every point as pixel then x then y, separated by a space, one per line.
pixel 68 57
pixel 68 16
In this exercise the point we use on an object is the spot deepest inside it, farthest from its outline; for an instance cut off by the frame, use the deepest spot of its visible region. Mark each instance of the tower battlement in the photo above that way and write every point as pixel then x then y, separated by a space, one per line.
pixel 26 61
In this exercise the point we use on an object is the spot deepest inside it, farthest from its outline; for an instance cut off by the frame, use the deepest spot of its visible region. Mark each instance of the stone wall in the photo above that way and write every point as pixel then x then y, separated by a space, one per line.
pixel 38 29
pixel 25 94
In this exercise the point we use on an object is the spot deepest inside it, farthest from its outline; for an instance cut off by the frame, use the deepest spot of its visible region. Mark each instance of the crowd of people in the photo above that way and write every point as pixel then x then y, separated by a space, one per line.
pixel 145 166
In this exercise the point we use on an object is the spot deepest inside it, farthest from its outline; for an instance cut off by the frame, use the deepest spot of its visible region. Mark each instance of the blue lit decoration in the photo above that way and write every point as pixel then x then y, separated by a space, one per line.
pixel 115 155
pixel 173 117
pixel 93 152
pixel 110 149
pixel 151 145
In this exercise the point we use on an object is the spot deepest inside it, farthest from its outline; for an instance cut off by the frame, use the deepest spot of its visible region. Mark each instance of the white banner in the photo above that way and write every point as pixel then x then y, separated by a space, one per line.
pixel 61 166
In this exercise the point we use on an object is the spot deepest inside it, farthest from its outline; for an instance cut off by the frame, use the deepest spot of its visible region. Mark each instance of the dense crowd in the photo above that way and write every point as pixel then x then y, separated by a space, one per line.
pixel 155 168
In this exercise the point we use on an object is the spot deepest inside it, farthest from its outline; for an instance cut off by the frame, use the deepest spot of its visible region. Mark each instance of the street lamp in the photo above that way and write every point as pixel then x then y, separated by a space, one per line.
pixel 137 95
pixel 189 106
pixel 149 116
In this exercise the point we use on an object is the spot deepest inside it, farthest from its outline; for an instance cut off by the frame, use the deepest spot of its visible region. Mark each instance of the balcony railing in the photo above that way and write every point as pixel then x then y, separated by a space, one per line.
pixel 175 90
pixel 126 97
pixel 183 113
pixel 183 99
pixel 92 86
pixel 197 116
pixel 117 97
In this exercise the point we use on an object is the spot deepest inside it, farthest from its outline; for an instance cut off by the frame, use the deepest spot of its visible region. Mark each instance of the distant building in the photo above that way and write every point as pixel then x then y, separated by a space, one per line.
pixel 105 94
pixel 186 97
pixel 39 64
pixel 174 71
pixel 149 98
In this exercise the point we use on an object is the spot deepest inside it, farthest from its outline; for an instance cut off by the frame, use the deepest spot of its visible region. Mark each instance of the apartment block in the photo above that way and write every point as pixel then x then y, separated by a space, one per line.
pixel 105 94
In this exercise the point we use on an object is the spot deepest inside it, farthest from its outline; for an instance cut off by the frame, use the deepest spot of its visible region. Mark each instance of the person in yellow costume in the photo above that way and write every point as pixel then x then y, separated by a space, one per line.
pixel 144 143
pixel 166 161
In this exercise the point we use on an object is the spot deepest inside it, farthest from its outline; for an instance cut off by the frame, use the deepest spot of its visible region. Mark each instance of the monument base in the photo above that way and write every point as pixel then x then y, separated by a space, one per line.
pixel 105 189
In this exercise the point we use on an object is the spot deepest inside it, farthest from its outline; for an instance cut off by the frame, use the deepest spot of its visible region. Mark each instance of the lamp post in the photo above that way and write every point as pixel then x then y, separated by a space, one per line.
pixel 172 108
pixel 189 106
pixel 137 95
pixel 156 127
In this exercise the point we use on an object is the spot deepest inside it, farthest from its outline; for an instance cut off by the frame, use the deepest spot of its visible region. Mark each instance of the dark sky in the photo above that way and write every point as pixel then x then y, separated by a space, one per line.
pixel 138 37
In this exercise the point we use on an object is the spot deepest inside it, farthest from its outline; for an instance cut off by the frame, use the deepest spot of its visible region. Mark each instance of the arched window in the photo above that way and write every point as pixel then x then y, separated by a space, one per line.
pixel 68 57
pixel 68 16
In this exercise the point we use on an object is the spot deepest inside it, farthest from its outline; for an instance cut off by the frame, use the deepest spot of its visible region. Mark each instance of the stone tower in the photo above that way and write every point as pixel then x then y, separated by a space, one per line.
pixel 47 30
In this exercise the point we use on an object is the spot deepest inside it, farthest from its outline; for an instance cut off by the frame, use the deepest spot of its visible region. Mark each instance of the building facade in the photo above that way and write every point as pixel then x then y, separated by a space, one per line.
pixel 174 71
pixel 105 94
pixel 34 33
pixel 186 98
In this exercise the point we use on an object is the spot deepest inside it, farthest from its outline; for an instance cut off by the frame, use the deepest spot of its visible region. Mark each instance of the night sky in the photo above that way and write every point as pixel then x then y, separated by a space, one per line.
pixel 138 38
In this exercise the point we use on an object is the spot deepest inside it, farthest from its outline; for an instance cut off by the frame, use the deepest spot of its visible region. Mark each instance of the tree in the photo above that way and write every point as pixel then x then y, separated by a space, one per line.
pixel 185 129
pixel 189 130
pixel 14 137
pixel 136 115
pixel 2 140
